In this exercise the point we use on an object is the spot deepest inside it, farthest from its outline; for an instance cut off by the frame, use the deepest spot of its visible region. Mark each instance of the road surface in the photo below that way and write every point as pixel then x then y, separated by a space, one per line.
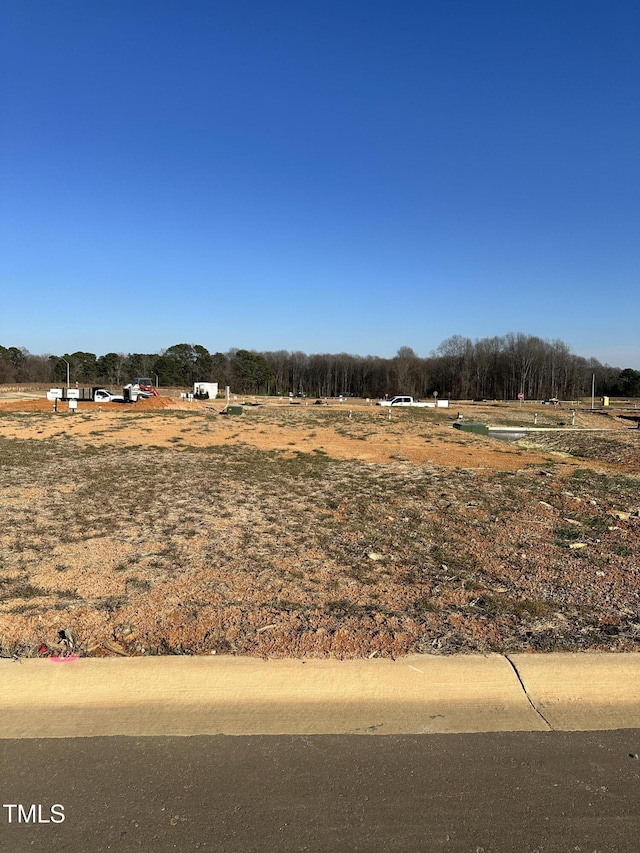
pixel 549 792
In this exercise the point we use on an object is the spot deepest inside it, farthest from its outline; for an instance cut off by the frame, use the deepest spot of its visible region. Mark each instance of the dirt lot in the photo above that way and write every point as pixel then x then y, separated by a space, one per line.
pixel 303 530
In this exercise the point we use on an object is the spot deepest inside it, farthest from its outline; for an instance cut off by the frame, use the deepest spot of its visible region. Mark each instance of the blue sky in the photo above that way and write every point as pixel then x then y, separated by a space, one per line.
pixel 348 176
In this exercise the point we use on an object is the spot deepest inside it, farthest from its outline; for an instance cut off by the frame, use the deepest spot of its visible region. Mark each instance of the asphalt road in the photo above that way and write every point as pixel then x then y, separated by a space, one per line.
pixel 524 792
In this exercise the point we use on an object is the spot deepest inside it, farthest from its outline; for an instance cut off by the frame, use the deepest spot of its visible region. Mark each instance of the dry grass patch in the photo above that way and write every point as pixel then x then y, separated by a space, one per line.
pixel 305 532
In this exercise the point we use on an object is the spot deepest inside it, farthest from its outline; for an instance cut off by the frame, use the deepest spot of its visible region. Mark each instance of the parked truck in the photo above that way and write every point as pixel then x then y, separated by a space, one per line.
pixel 95 394
pixel 130 394
pixel 410 402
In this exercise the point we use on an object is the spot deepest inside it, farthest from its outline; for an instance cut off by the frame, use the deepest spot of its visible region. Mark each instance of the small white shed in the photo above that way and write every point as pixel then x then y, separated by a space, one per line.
pixel 205 390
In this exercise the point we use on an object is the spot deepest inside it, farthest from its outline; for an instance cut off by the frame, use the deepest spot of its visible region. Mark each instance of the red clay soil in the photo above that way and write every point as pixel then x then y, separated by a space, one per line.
pixel 85 405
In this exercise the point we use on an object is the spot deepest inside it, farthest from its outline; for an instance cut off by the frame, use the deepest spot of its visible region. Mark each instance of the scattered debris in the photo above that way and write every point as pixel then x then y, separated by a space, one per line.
pixel 66 640
pixel 116 648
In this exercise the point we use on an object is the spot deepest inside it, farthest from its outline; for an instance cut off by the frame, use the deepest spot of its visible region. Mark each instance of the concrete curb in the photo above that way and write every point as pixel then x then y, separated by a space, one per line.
pixel 419 694
pixel 583 692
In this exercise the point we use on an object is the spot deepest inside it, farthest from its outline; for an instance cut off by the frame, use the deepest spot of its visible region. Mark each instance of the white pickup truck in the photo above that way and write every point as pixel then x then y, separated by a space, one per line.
pixel 409 401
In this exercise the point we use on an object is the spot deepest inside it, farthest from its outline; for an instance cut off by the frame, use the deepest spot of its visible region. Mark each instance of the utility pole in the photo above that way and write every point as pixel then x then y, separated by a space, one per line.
pixel 67 363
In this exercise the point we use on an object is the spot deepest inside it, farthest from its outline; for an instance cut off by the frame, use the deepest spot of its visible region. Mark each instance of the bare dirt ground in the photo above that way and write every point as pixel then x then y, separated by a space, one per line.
pixel 166 527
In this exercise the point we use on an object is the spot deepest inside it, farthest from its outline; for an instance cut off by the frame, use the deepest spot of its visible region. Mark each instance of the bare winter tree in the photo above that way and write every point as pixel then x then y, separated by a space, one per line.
pixel 495 367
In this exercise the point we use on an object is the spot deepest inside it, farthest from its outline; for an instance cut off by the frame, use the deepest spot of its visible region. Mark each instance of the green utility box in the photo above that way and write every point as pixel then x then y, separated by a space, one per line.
pixel 234 410
pixel 478 429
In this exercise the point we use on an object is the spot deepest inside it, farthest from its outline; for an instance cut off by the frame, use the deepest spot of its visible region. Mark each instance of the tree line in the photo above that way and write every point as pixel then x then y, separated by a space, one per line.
pixel 489 368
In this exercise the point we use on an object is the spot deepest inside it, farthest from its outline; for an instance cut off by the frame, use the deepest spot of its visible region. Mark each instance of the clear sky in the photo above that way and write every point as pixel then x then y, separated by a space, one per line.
pixel 319 175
